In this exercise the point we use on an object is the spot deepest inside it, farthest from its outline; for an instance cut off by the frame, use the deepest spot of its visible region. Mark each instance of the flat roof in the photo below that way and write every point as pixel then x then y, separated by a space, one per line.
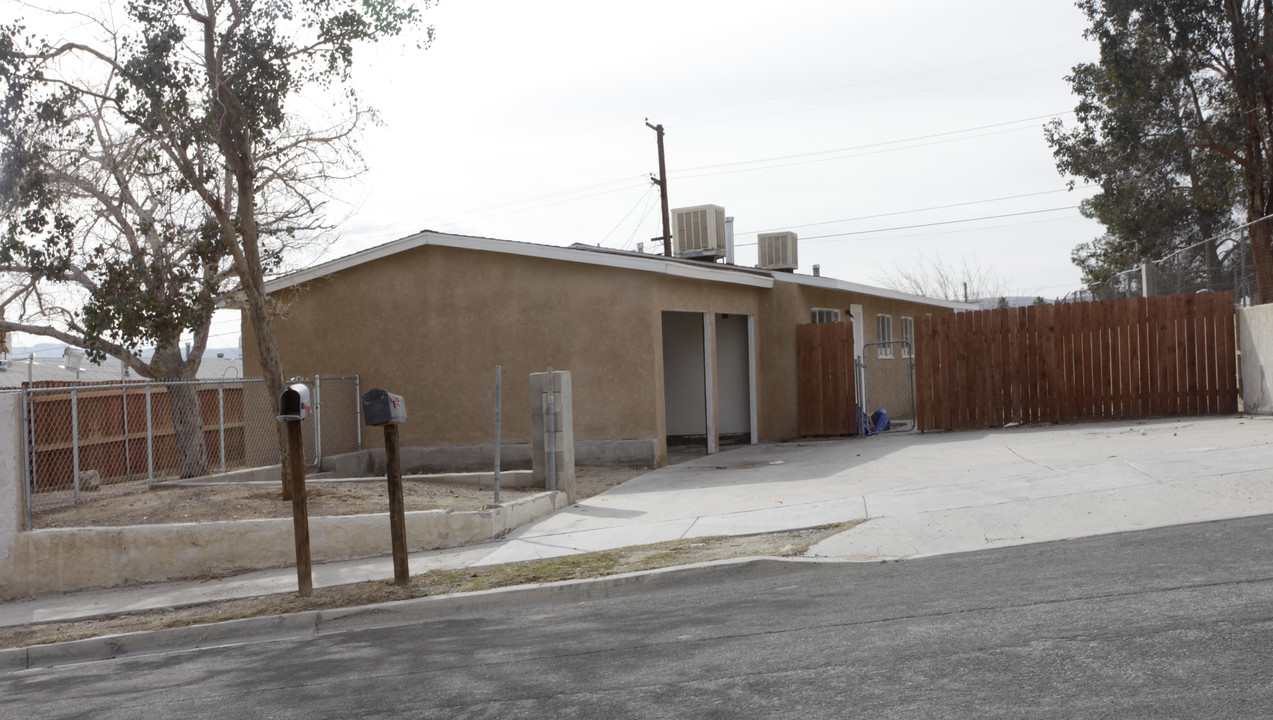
pixel 608 257
pixel 631 261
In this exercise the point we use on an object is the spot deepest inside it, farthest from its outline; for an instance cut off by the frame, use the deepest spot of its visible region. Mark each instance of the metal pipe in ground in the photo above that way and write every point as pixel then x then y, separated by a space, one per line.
pixel 498 396
pixel 75 441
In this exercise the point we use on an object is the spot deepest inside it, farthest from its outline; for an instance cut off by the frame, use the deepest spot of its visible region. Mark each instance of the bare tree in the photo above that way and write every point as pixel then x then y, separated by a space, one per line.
pixel 963 280
pixel 189 98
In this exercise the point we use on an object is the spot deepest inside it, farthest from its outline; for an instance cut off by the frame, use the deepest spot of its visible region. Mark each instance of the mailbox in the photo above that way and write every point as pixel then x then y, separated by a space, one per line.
pixel 293 404
pixel 381 407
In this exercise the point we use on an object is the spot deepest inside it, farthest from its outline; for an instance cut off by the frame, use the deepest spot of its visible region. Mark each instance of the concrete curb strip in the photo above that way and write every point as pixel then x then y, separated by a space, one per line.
pixel 388 614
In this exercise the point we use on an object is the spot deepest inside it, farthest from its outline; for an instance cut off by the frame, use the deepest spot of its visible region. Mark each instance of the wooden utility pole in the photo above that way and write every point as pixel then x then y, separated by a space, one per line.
pixel 661 181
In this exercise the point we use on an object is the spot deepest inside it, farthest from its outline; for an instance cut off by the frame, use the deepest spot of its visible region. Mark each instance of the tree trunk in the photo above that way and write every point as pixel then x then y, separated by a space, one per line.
pixel 183 406
pixel 1262 257
pixel 187 422
pixel 272 372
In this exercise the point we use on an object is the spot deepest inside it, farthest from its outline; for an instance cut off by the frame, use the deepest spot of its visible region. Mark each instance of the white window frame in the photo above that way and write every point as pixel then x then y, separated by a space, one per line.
pixel 908 336
pixel 824 315
pixel 884 334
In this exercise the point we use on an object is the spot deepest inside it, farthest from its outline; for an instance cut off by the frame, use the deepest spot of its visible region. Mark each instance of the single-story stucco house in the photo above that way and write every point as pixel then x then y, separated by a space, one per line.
pixel 658 346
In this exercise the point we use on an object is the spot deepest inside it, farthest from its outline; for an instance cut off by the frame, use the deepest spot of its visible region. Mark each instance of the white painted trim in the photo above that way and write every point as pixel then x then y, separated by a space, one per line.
pixel 833 284
pixel 709 384
pixel 684 269
pixel 751 377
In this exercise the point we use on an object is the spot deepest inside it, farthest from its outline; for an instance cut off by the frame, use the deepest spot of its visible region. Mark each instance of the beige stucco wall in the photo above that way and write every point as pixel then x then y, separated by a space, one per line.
pixel 1255 342
pixel 430 323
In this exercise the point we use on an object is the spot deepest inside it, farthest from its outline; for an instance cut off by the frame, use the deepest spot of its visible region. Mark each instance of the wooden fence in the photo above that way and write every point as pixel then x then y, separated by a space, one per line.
pixel 1109 360
pixel 825 379
pixel 112 424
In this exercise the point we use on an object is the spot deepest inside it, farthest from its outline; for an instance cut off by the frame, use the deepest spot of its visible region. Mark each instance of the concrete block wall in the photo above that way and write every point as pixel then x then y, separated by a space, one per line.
pixel 562 444
pixel 1255 342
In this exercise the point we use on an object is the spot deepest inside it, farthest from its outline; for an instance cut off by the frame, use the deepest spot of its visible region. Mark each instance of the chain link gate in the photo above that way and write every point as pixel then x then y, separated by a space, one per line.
pixel 886 382
pixel 98 440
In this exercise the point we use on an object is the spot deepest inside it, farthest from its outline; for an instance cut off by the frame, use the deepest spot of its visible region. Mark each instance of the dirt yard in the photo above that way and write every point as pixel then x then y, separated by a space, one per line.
pixel 208 503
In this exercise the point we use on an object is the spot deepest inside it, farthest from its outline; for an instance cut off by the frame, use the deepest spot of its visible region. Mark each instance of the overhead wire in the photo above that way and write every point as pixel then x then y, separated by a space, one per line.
pixel 833 236
pixel 919 210
pixel 644 196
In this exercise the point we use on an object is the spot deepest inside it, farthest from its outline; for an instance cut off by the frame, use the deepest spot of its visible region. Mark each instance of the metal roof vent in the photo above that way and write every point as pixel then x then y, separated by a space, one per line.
pixel 777 251
pixel 699 232
pixel 71 358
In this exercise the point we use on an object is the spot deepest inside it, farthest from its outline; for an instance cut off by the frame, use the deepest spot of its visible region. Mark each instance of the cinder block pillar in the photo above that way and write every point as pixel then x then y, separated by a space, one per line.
pixel 12 475
pixel 562 444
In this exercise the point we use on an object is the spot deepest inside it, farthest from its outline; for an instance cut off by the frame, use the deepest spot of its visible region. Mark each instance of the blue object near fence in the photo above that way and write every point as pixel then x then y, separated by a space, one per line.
pixel 879 420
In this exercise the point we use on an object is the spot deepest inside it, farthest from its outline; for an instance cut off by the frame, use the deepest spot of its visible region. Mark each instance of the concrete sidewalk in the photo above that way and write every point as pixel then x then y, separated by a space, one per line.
pixel 924 495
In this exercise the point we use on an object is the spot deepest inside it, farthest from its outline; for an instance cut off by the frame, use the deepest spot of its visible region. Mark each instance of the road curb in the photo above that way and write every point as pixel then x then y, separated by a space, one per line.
pixel 399 612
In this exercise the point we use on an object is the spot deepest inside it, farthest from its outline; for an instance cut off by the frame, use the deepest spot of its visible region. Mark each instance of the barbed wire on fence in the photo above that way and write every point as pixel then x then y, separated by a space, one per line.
pixel 87 441
pixel 1216 264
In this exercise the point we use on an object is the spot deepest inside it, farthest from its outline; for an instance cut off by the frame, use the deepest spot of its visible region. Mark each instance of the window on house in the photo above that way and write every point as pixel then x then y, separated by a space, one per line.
pixel 908 334
pixel 825 315
pixel 884 334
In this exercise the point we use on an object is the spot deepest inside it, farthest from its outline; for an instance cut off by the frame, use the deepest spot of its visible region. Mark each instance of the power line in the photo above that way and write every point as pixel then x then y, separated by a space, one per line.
pixel 854 155
pixel 868 146
pixel 923 225
pixel 875 99
pixel 918 210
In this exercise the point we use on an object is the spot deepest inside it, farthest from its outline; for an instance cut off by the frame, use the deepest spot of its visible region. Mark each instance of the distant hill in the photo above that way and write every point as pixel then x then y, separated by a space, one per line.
pixel 53 350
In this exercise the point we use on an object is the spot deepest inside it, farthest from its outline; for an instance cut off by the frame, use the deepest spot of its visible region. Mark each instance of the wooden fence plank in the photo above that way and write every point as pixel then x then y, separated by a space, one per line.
pixel 1228 356
pixel 1188 368
pixel 1145 359
pixel 1128 376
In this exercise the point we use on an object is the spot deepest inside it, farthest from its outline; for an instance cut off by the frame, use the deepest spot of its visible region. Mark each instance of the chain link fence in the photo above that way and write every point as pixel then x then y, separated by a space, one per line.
pixel 91 441
pixel 1217 264
pixel 886 382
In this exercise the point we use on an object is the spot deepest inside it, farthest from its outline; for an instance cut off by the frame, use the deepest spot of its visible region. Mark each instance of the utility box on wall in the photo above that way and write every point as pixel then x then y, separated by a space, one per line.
pixel 562 444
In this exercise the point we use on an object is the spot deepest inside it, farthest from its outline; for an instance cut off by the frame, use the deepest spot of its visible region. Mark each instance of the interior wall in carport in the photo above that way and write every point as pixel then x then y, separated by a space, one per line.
pixel 684 385
pixel 733 377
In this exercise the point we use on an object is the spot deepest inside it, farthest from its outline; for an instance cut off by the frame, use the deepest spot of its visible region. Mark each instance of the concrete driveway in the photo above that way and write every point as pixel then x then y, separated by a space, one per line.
pixel 928 494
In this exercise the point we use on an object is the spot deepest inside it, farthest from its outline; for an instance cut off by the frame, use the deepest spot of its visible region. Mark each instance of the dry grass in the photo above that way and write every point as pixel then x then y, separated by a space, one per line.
pixel 436 582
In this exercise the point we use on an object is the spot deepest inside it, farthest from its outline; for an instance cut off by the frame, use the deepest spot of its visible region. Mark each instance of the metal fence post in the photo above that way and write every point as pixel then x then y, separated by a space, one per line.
pixel 29 458
pixel 123 402
pixel 75 440
pixel 358 409
pixel 150 443
pixel 318 419
pixel 221 420
pixel 498 394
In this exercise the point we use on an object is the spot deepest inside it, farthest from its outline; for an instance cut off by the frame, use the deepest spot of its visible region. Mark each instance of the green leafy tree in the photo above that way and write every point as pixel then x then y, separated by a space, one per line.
pixel 192 100
pixel 1175 123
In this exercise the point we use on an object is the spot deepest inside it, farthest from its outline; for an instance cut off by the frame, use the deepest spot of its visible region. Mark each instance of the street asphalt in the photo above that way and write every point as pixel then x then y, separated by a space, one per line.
pixel 922 494
pixel 1163 623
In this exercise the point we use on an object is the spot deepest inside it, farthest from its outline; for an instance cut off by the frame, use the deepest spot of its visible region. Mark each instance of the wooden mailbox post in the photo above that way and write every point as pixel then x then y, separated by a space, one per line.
pixel 381 408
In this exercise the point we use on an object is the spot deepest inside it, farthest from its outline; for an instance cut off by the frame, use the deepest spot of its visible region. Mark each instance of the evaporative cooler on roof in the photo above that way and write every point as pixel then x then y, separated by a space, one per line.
pixel 699 231
pixel 777 251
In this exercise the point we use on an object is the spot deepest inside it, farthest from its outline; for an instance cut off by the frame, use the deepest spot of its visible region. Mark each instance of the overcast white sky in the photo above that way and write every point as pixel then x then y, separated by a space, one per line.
pixel 844 121
pixel 525 121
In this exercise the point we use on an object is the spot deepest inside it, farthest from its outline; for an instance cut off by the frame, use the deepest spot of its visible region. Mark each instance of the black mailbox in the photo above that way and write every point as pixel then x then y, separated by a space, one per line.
pixel 293 404
pixel 381 407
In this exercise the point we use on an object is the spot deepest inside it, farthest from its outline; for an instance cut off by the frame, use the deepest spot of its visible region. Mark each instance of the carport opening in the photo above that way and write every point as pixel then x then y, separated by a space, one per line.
pixel 684 383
